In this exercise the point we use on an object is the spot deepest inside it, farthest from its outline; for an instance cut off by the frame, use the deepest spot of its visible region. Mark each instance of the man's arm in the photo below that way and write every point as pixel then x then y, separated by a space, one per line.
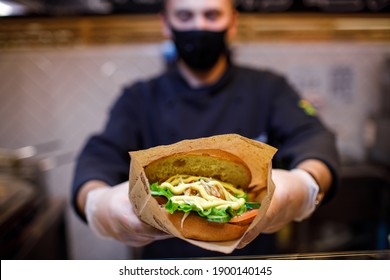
pixel 84 190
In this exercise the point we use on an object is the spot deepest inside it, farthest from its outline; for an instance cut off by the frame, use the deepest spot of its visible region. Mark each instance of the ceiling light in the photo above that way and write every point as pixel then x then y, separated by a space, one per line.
pixel 11 9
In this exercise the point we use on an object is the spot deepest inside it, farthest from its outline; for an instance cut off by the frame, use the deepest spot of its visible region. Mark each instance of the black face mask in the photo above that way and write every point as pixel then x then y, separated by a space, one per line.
pixel 200 49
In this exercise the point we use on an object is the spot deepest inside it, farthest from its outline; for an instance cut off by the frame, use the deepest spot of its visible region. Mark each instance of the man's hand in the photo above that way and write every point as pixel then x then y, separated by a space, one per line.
pixel 110 214
pixel 293 200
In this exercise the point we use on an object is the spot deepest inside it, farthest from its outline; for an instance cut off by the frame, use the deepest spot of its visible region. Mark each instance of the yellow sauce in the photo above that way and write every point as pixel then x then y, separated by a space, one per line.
pixel 208 192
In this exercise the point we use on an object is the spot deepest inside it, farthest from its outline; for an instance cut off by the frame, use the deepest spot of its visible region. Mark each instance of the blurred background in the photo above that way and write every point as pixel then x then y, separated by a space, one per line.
pixel 63 63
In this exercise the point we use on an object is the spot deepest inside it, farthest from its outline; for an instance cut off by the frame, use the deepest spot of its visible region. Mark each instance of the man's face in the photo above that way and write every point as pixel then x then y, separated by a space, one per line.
pixel 213 15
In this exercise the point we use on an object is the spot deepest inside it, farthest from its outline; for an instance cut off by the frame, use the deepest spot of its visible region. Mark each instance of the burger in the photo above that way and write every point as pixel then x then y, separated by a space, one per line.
pixel 204 193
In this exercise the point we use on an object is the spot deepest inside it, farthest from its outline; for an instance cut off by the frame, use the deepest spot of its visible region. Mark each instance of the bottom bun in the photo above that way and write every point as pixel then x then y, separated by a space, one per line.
pixel 198 228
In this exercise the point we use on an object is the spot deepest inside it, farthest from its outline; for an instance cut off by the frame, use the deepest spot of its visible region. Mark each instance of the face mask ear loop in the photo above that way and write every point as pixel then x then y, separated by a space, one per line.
pixel 171 28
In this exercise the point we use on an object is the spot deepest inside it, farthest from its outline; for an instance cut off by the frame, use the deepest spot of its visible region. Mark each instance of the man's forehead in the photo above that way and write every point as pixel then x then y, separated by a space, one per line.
pixel 198 4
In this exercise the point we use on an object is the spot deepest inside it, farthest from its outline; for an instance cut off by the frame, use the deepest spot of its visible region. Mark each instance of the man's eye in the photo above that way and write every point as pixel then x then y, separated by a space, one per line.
pixel 212 15
pixel 184 15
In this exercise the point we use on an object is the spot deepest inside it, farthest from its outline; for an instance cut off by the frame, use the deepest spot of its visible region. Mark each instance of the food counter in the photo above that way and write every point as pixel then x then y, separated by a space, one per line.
pixel 347 255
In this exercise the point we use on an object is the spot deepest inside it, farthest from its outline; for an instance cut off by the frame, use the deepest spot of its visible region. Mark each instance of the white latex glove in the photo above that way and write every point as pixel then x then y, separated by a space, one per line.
pixel 110 215
pixel 293 200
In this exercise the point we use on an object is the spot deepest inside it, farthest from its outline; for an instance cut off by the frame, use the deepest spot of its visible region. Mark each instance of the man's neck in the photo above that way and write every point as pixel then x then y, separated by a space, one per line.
pixel 197 79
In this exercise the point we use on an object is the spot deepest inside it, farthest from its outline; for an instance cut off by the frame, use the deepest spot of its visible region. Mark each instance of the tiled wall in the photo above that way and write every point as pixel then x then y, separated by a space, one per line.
pixel 65 94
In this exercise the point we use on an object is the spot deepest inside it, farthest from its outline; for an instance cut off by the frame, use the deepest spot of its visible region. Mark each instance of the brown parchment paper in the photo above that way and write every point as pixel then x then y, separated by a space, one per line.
pixel 258 157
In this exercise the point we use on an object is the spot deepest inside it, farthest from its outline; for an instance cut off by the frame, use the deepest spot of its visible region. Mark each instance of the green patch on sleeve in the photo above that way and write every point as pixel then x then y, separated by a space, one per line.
pixel 307 107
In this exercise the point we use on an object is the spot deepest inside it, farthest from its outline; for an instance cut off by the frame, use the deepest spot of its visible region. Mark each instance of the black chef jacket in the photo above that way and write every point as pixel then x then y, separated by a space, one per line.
pixel 253 103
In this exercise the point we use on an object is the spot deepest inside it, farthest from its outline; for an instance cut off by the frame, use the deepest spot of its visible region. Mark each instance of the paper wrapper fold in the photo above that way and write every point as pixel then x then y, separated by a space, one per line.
pixel 258 157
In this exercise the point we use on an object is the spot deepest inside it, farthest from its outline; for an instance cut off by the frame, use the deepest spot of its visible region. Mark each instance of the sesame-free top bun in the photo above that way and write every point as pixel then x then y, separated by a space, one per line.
pixel 216 164
pixel 212 163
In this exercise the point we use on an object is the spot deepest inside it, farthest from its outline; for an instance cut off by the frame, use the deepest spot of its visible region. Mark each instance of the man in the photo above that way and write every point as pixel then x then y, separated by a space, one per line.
pixel 203 94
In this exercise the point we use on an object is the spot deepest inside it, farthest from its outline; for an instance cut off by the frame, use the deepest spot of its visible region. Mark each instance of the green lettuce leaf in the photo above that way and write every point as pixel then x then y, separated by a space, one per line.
pixel 156 190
